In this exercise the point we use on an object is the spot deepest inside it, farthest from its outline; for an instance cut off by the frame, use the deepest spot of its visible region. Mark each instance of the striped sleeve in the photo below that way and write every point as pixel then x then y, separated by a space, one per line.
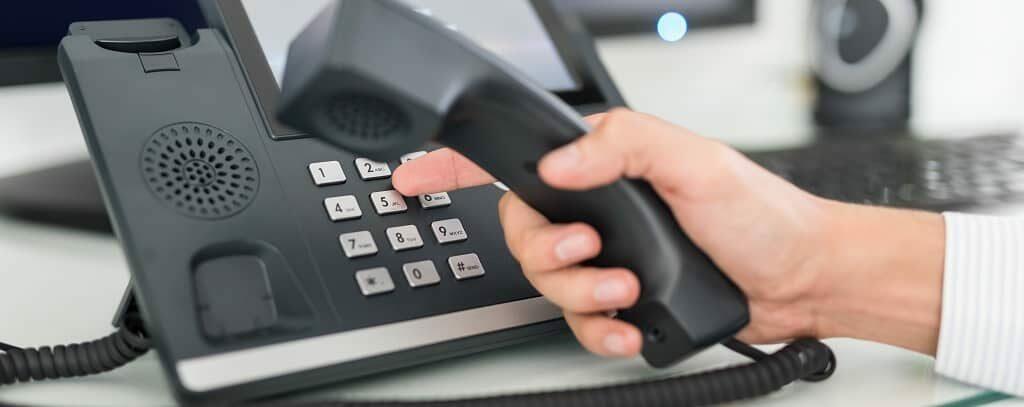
pixel 981 339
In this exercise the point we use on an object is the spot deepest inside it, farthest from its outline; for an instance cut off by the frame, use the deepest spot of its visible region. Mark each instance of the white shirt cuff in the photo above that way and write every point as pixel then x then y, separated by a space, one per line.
pixel 981 339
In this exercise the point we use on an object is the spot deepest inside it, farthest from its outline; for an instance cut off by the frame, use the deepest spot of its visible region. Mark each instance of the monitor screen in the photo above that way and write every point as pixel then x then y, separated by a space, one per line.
pixel 508 28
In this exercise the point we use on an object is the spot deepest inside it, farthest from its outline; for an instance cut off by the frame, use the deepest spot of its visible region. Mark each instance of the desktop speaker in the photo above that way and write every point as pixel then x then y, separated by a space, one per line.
pixel 199 170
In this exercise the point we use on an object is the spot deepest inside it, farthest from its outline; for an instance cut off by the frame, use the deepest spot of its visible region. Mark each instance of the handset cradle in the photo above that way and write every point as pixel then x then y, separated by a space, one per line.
pixel 413 79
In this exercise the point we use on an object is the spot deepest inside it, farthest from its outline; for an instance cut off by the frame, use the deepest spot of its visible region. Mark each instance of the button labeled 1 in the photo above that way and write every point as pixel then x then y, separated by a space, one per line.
pixel 369 169
pixel 449 231
pixel 358 244
pixel 421 274
pixel 327 173
pixel 386 202
pixel 466 266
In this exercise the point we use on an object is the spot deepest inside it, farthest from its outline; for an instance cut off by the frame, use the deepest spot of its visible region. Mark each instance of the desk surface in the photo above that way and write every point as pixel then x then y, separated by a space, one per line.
pixel 62 286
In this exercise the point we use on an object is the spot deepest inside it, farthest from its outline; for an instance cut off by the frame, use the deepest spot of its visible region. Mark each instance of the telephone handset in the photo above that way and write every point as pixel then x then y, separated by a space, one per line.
pixel 406 78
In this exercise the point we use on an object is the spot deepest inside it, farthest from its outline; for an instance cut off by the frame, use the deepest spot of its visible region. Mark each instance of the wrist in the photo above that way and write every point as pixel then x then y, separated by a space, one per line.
pixel 879 276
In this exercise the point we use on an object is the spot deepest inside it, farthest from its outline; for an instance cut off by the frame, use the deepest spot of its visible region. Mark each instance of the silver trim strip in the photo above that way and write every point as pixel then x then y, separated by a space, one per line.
pixel 213 372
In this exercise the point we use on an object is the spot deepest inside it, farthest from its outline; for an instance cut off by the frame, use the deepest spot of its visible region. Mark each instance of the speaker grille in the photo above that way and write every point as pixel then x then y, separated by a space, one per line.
pixel 366 117
pixel 200 170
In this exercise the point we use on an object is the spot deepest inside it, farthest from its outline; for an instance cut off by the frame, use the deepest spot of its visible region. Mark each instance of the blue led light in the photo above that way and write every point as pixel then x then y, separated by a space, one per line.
pixel 672 26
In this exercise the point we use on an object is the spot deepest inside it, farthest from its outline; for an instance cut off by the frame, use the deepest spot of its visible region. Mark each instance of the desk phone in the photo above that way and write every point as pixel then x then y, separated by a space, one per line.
pixel 264 259
pixel 271 255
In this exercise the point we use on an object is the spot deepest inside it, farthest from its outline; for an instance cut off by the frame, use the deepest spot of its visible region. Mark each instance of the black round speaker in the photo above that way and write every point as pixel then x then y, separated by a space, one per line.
pixel 200 170
pixel 366 117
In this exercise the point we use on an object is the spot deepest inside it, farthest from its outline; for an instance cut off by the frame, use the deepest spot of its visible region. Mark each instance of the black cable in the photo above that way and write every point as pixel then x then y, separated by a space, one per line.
pixel 80 359
pixel 804 359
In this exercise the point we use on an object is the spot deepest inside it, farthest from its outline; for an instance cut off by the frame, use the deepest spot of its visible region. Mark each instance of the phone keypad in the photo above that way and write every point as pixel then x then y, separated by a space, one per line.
pixel 371 170
pixel 358 244
pixel 388 202
pixel 375 281
pixel 449 231
pixel 343 208
pixel 404 238
pixel 421 274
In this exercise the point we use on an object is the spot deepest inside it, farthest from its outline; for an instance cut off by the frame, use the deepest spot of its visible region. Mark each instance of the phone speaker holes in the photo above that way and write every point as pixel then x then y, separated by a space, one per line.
pixel 199 170
pixel 366 118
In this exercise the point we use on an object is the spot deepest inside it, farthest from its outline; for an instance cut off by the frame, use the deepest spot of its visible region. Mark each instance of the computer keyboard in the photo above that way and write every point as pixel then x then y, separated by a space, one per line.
pixel 941 174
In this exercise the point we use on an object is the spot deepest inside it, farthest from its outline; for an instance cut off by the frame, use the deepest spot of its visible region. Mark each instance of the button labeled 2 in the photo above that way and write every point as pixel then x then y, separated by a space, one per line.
pixel 369 169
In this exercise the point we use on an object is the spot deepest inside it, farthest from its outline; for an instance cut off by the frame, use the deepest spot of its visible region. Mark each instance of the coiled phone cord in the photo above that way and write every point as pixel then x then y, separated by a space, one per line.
pixel 804 359
pixel 80 359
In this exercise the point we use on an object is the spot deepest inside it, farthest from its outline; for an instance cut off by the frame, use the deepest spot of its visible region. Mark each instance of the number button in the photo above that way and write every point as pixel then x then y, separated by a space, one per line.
pixel 343 208
pixel 421 274
pixel 404 238
pixel 449 231
pixel 466 266
pixel 388 202
pixel 327 173
pixel 412 156
pixel 369 169
pixel 375 281
pixel 358 244
pixel 435 200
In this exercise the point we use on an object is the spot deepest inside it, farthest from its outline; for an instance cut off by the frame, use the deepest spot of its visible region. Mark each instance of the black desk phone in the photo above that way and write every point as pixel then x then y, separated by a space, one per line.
pixel 265 259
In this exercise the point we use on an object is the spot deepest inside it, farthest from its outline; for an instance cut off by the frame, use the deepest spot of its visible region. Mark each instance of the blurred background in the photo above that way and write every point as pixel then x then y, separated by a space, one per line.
pixel 760 75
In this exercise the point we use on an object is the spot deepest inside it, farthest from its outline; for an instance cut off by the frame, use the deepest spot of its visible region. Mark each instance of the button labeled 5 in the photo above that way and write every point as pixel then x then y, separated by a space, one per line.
pixel 387 202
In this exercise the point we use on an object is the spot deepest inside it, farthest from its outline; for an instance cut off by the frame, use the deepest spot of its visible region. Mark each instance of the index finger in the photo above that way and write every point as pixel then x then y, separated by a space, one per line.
pixel 439 171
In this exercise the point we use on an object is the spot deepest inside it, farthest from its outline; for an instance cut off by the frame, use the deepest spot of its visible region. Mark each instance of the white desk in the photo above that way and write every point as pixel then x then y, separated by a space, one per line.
pixel 61 286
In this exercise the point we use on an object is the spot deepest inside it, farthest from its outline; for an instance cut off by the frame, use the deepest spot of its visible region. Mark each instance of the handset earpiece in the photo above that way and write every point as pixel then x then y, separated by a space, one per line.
pixel 379 79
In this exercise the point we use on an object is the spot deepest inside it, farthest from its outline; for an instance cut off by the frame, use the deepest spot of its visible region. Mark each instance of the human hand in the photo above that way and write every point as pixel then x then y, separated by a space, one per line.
pixel 768 236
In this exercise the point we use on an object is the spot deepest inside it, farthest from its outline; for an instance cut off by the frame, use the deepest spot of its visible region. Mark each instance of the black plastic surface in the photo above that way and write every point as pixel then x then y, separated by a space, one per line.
pixel 387 61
